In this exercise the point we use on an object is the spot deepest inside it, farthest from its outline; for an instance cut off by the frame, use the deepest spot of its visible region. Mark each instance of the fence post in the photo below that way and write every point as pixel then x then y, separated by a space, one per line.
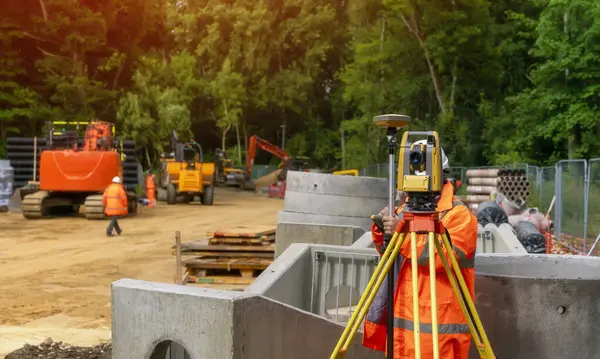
pixel 558 201
pixel 586 198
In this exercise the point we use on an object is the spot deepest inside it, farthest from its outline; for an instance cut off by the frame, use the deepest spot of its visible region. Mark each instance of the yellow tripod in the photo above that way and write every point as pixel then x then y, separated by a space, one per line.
pixel 414 223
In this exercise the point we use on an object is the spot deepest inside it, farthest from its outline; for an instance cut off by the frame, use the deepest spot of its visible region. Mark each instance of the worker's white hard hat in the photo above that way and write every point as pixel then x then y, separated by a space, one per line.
pixel 116 179
pixel 445 163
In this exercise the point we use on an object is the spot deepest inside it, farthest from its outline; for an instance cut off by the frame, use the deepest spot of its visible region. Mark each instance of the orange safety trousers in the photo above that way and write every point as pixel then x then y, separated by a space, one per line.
pixel 150 191
pixel 454 335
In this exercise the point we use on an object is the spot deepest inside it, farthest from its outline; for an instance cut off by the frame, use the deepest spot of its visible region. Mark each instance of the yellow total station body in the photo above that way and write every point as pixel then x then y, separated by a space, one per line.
pixel 423 158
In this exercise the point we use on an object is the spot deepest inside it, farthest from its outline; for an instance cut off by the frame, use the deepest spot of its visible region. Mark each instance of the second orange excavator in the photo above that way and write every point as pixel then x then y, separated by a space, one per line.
pixel 288 162
pixel 71 176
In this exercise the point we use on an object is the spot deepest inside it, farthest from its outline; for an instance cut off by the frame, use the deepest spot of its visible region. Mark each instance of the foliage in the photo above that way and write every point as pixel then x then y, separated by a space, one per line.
pixel 503 81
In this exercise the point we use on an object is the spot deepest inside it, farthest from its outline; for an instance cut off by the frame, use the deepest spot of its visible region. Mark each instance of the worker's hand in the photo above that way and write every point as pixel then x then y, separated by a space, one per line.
pixel 389 224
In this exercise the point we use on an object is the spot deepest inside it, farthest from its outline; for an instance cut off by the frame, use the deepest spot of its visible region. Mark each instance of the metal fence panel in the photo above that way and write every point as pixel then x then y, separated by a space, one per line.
pixel 547 187
pixel 379 170
pixel 571 197
pixel 593 207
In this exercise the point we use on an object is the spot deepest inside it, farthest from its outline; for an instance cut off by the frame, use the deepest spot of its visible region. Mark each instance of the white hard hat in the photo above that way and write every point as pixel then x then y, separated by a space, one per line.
pixel 445 163
pixel 116 179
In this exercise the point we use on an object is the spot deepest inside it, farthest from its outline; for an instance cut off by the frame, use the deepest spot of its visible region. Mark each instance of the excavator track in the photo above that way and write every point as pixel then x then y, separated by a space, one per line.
pixel 33 205
pixel 94 208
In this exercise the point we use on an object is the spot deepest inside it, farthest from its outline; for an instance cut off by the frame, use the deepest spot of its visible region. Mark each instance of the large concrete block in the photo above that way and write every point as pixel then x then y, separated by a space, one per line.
pixel 291 217
pixel 540 306
pixel 332 205
pixel 288 233
pixel 325 194
pixel 321 183
pixel 213 324
pixel 532 306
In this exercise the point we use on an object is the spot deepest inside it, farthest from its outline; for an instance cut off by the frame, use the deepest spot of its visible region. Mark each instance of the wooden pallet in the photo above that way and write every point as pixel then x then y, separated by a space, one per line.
pixel 206 266
pixel 244 232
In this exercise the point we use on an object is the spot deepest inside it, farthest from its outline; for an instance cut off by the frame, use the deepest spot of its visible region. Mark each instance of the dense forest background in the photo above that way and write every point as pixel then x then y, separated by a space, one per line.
pixel 502 81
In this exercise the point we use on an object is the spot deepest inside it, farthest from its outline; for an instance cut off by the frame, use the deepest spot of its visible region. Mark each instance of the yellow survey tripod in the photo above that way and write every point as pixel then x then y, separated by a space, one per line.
pixel 419 217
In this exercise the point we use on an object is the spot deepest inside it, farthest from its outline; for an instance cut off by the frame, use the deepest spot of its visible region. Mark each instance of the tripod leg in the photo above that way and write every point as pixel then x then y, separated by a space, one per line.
pixel 415 279
pixel 464 298
pixel 433 288
pixel 384 266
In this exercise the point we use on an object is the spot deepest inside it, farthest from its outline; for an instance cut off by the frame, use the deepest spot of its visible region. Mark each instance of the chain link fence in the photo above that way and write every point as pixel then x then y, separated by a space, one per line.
pixel 572 184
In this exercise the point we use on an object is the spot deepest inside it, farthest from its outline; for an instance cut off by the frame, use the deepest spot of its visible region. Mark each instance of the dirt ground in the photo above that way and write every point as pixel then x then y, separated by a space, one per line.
pixel 55 274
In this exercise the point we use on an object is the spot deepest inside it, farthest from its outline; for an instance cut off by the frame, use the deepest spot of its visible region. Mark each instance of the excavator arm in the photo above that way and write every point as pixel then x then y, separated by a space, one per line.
pixel 266 146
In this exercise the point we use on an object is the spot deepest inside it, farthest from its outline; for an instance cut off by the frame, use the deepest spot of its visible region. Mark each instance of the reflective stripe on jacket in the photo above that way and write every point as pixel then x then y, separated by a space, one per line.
pixel 454 336
pixel 114 199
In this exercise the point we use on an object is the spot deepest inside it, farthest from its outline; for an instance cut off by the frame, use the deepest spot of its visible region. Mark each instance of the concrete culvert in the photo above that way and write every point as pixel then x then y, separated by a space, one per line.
pixel 539 306
pixel 168 349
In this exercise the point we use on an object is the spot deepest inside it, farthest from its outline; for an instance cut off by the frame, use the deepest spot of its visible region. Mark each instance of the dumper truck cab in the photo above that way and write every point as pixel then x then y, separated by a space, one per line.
pixel 186 175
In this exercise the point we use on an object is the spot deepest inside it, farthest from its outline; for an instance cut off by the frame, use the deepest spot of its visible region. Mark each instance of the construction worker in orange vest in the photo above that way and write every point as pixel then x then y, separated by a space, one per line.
pixel 454 335
pixel 150 189
pixel 115 203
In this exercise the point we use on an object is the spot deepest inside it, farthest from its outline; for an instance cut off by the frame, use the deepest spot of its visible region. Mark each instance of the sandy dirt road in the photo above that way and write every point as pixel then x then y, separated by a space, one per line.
pixel 55 275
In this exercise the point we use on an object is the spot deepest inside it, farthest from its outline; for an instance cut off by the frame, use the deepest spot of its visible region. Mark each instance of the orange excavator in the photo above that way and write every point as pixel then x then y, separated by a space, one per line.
pixel 288 163
pixel 72 175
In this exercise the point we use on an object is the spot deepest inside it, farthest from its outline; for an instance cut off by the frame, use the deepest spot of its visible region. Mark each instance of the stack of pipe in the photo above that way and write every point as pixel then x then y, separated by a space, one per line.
pixel 487 183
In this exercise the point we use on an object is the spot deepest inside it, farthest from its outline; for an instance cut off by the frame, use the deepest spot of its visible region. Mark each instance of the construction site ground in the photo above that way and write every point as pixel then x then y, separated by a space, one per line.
pixel 55 274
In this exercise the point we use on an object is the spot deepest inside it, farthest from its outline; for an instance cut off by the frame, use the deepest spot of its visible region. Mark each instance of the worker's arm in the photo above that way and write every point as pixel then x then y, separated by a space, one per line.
pixel 123 196
pixel 461 226
pixel 104 197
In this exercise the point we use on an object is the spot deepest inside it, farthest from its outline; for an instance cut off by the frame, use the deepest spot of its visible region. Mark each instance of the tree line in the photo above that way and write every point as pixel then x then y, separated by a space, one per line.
pixel 502 81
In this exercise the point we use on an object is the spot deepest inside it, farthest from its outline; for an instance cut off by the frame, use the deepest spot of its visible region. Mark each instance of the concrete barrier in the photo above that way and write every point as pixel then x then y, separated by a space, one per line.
pixel 319 198
pixel 209 324
pixel 532 306
pixel 288 233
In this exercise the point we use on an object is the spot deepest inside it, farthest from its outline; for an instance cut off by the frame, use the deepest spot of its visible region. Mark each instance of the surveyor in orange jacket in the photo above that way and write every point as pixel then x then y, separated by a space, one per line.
pixel 114 199
pixel 454 336
pixel 150 189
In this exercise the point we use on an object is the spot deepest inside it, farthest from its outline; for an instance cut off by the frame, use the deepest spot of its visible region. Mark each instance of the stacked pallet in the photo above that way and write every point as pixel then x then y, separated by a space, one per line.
pixel 485 183
pixel 233 256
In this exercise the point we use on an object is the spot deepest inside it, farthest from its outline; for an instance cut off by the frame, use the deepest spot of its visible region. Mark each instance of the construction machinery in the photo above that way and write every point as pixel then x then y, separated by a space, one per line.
pixel 185 174
pixel 227 175
pixel 288 163
pixel 74 173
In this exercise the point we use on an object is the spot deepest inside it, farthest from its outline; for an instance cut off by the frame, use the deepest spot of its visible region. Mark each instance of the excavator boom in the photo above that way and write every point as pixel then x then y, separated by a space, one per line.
pixel 266 146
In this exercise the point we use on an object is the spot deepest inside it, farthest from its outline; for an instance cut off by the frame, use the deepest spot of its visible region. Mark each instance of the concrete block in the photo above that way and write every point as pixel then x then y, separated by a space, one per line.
pixel 320 183
pixel 503 240
pixel 291 217
pixel 288 233
pixel 532 306
pixel 326 204
pixel 145 314
pixel 540 306
pixel 365 241
pixel 211 324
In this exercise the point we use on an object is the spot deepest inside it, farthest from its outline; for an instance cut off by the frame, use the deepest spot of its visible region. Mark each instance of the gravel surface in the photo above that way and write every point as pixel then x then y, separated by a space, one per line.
pixel 49 349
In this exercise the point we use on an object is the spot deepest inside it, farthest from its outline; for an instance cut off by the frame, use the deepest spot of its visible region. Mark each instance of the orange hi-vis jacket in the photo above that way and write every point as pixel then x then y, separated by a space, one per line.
pixel 150 182
pixel 454 336
pixel 114 199
pixel 150 189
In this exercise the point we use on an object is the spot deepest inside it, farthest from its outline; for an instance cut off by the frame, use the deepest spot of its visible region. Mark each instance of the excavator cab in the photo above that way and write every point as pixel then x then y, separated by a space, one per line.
pixel 226 174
